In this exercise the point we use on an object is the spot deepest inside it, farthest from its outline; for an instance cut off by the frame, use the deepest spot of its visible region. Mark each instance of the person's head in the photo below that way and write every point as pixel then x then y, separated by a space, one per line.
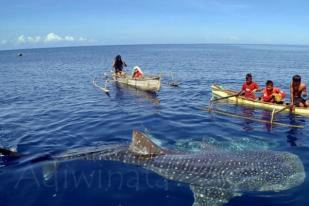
pixel 296 80
pixel 249 78
pixel 269 85
pixel 137 69
pixel 118 58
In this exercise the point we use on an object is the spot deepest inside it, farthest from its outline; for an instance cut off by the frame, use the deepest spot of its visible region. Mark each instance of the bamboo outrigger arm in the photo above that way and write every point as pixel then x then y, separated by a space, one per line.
pixel 104 89
pixel 254 119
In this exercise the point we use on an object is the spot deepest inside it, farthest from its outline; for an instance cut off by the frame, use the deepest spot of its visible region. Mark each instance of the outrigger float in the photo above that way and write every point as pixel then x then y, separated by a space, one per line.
pixel 219 93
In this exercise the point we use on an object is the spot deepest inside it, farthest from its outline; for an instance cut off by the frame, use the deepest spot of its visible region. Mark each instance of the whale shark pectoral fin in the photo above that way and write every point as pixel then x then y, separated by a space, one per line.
pixel 49 170
pixel 211 196
pixel 142 145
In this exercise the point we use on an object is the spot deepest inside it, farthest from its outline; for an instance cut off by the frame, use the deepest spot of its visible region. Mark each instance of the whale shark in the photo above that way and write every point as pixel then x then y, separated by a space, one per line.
pixel 215 176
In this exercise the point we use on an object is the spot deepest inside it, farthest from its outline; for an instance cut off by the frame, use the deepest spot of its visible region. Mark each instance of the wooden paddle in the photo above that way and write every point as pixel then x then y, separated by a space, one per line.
pixel 214 100
pixel 234 95
pixel 276 112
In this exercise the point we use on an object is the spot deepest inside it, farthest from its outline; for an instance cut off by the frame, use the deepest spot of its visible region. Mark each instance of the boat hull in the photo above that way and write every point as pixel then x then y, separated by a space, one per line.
pixel 217 91
pixel 147 83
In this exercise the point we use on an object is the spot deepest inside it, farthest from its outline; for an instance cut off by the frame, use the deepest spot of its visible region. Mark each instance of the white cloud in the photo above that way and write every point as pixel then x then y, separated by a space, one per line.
pixel 35 39
pixel 21 39
pixel 82 39
pixel 52 37
pixel 49 38
pixel 69 38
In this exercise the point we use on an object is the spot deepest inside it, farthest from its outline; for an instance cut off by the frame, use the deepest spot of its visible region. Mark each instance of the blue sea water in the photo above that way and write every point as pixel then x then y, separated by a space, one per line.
pixel 48 105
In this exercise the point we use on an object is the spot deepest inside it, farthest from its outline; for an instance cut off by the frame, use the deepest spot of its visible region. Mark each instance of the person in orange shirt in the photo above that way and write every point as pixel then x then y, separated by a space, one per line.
pixel 249 88
pixel 272 94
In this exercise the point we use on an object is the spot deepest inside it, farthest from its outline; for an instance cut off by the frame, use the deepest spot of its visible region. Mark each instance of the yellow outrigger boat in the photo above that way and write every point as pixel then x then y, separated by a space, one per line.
pixel 218 91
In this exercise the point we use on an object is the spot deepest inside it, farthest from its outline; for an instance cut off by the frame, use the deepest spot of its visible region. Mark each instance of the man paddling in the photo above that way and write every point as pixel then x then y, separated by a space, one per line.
pixel 249 88
pixel 272 94
pixel 298 92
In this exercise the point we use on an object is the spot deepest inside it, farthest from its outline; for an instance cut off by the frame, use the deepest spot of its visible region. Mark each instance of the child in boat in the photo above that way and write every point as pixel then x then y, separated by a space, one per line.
pixel 118 64
pixel 137 73
pixel 249 88
pixel 272 94
pixel 298 91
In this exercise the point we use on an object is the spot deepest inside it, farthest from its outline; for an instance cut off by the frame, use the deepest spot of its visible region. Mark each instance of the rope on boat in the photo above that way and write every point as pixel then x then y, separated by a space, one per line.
pixel 254 119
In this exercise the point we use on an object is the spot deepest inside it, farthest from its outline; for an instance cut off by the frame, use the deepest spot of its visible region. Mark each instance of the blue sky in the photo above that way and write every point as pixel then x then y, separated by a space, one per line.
pixel 48 23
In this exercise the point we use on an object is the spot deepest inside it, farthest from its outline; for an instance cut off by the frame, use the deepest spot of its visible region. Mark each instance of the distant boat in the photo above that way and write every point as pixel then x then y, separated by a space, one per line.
pixel 19 54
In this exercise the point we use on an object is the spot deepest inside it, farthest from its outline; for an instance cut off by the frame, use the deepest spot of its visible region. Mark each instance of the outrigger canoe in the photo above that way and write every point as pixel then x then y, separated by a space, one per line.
pixel 146 83
pixel 218 91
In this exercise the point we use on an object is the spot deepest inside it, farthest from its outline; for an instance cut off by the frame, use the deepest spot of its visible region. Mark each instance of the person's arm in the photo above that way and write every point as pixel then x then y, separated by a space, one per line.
pixel 291 94
pixel 261 97
pixel 257 89
pixel 282 94
pixel 242 91
pixel 114 63
pixel 124 63
pixel 305 91
pixel 267 98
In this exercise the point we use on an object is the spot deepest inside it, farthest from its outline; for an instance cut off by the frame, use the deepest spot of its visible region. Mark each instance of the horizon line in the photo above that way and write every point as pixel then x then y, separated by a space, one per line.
pixel 148 44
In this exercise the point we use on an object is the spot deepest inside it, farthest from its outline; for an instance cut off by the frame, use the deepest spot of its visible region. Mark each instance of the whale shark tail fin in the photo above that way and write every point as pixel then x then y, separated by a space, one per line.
pixel 142 145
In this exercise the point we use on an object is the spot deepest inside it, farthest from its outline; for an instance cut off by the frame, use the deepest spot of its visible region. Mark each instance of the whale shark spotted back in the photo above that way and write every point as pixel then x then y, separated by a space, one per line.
pixel 215 176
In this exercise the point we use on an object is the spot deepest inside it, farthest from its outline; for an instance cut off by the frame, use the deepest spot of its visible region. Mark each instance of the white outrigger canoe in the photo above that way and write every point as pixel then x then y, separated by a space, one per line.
pixel 146 83
pixel 218 91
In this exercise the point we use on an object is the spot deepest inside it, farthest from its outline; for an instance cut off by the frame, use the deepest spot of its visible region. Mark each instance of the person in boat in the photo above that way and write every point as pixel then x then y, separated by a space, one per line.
pixel 137 73
pixel 272 94
pixel 249 88
pixel 118 65
pixel 298 92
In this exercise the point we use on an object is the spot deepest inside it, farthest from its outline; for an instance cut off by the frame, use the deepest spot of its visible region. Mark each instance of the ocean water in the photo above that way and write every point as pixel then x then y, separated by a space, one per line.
pixel 48 105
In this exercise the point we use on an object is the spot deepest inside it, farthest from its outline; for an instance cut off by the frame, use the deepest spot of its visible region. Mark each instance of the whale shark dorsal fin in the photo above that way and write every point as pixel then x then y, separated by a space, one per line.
pixel 7 152
pixel 142 145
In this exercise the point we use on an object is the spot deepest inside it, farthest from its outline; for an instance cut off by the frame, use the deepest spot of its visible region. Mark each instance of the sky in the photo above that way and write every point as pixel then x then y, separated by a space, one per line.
pixel 53 23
